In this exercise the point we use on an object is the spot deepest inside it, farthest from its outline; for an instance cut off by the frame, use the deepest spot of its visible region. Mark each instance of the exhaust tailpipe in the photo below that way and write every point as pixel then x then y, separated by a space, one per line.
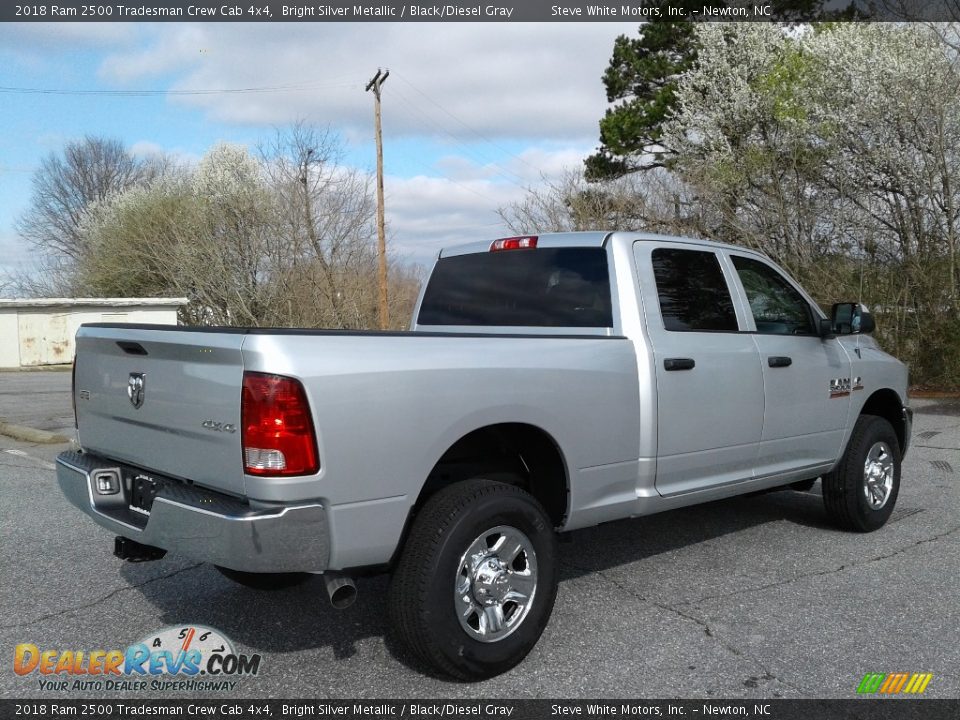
pixel 340 589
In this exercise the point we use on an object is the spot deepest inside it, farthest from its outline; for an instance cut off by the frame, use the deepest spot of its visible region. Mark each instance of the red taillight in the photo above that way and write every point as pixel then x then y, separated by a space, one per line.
pixel 278 437
pixel 527 242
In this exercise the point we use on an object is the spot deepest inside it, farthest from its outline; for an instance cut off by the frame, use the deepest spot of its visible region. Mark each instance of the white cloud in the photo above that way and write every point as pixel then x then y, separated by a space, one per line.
pixel 145 148
pixel 167 52
pixel 479 91
pixel 520 80
pixel 457 167
pixel 426 214
pixel 528 168
pixel 57 37
pixel 550 163
pixel 40 46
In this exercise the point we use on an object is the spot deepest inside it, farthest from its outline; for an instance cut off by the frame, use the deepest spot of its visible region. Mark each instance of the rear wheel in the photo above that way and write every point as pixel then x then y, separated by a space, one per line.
pixel 861 492
pixel 476 580
pixel 264 581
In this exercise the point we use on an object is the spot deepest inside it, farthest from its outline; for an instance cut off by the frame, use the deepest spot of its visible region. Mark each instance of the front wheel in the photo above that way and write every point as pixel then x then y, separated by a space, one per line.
pixel 476 580
pixel 861 492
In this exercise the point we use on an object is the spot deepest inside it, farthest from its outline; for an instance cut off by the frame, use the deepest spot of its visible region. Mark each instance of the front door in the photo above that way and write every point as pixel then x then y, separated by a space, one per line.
pixel 804 415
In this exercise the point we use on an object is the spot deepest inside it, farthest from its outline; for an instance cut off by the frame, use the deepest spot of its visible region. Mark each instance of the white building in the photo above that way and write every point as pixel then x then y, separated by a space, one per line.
pixel 41 331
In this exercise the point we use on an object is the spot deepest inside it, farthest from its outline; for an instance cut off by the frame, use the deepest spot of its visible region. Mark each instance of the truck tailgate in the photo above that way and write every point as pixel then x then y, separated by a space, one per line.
pixel 165 399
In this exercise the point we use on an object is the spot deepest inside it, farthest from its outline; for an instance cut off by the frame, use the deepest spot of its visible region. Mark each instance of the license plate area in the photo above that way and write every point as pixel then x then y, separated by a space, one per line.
pixel 143 491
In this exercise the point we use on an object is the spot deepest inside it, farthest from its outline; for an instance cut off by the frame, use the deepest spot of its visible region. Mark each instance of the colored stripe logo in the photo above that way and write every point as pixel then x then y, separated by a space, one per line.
pixel 894 683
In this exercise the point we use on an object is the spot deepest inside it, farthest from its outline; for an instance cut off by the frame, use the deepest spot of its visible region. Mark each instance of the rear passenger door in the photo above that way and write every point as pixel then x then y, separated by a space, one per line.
pixel 803 421
pixel 709 384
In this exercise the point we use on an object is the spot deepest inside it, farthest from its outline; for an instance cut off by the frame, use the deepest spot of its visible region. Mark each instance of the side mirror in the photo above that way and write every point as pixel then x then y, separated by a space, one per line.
pixel 850 319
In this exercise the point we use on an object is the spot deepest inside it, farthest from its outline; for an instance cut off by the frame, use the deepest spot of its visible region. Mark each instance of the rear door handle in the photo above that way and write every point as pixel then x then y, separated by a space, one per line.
pixel 779 361
pixel 678 364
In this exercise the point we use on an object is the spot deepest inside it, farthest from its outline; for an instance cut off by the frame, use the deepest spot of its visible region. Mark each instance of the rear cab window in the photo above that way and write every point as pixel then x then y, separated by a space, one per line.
pixel 559 287
pixel 692 291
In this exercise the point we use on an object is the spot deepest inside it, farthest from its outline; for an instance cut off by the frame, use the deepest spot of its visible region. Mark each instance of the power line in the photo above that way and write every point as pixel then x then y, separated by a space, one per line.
pixel 153 93
pixel 465 125
pixel 469 189
pixel 473 154
pixel 508 175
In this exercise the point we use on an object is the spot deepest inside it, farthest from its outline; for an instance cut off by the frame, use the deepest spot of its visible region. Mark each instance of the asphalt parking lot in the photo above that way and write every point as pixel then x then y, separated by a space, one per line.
pixel 745 598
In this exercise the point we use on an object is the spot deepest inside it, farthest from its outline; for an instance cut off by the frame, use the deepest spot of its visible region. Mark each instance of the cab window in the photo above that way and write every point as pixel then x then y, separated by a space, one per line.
pixel 777 307
pixel 692 291
pixel 543 287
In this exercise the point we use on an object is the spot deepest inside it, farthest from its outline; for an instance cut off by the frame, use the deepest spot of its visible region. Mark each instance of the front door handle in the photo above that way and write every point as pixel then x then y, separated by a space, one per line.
pixel 779 361
pixel 678 364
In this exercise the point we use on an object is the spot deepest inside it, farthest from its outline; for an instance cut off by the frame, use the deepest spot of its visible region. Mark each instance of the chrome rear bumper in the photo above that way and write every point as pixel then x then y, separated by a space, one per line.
pixel 199 523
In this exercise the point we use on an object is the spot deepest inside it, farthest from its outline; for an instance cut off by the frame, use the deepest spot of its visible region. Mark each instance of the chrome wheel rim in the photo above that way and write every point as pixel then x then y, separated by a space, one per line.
pixel 495 584
pixel 878 475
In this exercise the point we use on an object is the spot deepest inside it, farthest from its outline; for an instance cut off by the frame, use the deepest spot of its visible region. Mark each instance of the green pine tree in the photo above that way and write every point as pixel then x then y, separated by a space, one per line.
pixel 641 81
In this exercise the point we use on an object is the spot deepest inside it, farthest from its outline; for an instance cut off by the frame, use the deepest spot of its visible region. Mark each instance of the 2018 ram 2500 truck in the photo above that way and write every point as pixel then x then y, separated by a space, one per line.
pixel 548 383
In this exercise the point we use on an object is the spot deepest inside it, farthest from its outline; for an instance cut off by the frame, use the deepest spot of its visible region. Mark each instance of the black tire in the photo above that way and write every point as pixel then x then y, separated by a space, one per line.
pixel 845 487
pixel 423 598
pixel 803 485
pixel 264 581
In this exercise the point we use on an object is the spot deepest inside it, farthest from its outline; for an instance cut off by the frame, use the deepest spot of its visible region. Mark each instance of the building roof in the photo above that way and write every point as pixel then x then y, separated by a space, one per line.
pixel 91 302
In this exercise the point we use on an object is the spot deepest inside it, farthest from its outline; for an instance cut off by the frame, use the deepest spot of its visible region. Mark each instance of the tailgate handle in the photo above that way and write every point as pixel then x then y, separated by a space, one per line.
pixel 679 364
pixel 779 361
pixel 131 348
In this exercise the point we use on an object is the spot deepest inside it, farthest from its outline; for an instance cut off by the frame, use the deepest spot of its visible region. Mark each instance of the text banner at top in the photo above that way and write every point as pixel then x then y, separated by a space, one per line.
pixel 470 11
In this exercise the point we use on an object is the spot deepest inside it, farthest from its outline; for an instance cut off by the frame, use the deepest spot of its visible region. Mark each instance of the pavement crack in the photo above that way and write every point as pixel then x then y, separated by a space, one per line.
pixel 705 626
pixel 712 633
pixel 821 573
pixel 97 601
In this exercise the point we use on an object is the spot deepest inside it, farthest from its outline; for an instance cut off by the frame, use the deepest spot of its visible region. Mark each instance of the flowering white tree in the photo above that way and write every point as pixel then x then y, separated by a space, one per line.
pixel 281 239
pixel 836 149
pixel 743 133
pixel 894 132
pixel 84 172
pixel 204 233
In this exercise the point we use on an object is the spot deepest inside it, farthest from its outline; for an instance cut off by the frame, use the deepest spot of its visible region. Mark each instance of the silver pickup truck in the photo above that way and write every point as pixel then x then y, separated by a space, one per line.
pixel 548 383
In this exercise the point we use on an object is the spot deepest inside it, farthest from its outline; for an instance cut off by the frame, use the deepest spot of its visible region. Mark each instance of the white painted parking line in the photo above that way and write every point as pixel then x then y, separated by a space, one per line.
pixel 20 453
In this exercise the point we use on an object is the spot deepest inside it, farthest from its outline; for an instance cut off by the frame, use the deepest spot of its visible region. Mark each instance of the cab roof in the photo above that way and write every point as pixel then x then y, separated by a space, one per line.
pixel 586 239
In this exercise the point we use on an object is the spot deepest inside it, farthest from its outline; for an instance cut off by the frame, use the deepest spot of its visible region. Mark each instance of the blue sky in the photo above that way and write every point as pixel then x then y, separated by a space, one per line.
pixel 472 113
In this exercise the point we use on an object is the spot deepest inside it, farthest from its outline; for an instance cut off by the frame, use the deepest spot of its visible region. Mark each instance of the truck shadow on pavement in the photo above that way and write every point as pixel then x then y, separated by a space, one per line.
pixel 610 545
pixel 301 618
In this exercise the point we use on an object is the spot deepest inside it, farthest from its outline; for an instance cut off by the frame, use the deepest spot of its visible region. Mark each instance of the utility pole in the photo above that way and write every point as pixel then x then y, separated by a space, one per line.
pixel 375 84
